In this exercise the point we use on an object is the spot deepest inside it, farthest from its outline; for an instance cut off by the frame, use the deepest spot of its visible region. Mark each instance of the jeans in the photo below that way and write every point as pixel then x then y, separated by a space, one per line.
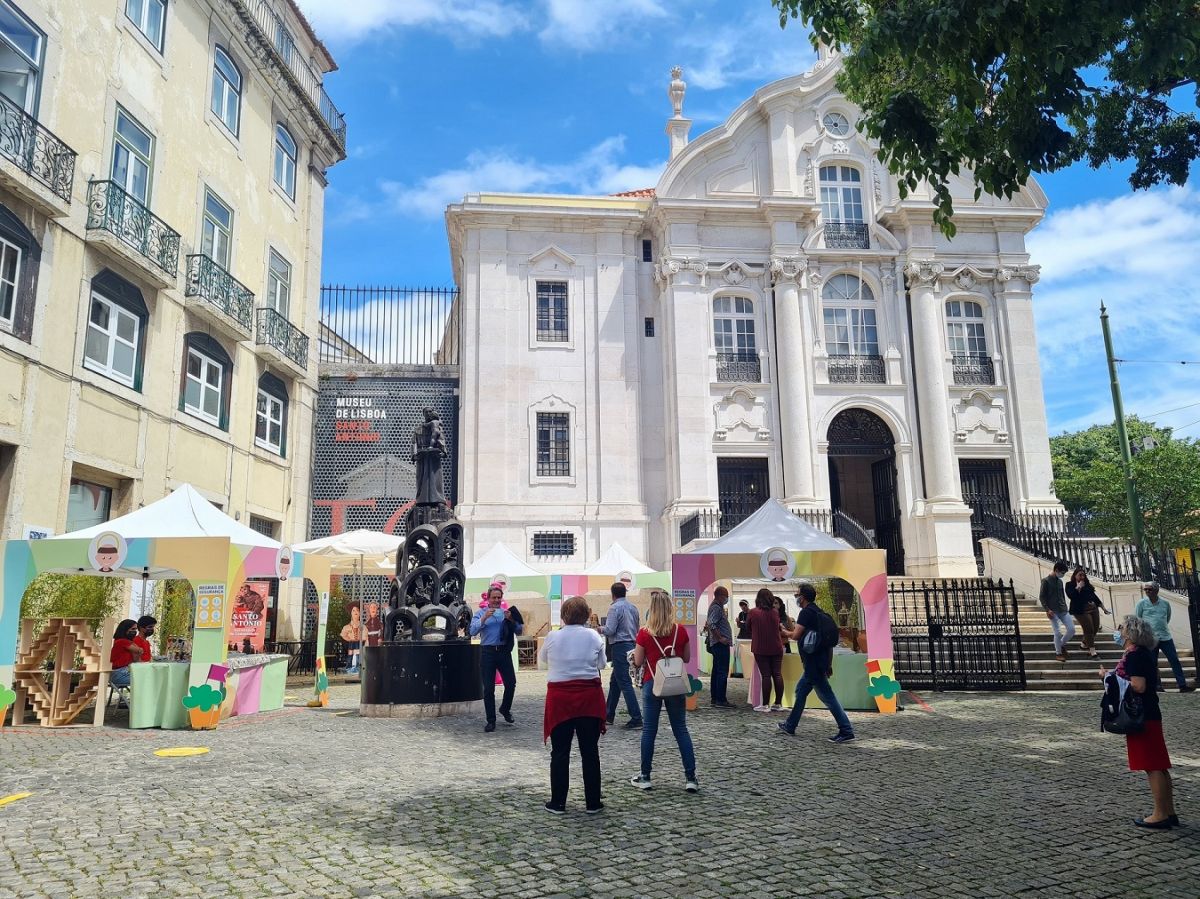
pixel 1089 623
pixel 816 680
pixel 587 731
pixel 120 677
pixel 1168 649
pixel 620 684
pixel 677 715
pixel 497 658
pixel 770 672
pixel 719 679
pixel 1059 621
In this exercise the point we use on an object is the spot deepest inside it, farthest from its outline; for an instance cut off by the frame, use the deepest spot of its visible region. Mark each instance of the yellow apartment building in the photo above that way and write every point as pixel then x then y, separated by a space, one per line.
pixel 162 174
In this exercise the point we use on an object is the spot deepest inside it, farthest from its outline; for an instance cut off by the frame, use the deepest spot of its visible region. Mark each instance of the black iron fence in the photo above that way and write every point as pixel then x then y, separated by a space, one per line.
pixel 36 150
pixel 846 236
pixel 739 366
pixel 302 654
pixel 389 325
pixel 112 209
pixel 956 635
pixel 706 524
pixel 856 369
pixel 974 369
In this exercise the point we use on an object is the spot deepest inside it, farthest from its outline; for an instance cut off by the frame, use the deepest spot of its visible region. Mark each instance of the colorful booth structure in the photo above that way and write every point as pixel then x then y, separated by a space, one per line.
pixel 778 549
pixel 182 536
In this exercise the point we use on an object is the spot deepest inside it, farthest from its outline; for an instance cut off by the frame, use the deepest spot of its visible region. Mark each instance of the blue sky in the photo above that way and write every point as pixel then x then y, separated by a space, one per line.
pixel 444 97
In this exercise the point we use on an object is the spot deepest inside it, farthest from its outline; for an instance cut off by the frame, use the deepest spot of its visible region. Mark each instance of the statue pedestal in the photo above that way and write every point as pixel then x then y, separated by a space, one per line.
pixel 421 680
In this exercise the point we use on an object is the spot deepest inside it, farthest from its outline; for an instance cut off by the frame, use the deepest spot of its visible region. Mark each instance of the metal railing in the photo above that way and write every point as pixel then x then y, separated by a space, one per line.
pixel 974 369
pixel 389 325
pixel 704 524
pixel 36 150
pixel 857 369
pixel 739 366
pixel 208 279
pixel 113 210
pixel 838 523
pixel 847 236
pixel 276 331
pixel 272 35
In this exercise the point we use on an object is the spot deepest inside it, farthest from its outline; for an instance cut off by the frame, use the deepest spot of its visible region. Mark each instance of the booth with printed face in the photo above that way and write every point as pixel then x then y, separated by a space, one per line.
pixel 777 549
pixel 180 537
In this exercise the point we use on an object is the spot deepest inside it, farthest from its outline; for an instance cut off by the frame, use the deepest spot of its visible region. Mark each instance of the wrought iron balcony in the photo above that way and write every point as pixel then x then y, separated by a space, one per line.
pixel 974 369
pixel 276 332
pixel 274 41
pixel 857 370
pixel 846 236
pixel 206 278
pixel 740 366
pixel 36 150
pixel 113 210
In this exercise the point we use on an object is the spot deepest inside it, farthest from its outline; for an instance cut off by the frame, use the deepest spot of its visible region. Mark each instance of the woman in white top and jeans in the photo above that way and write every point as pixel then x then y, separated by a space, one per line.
pixel 575 704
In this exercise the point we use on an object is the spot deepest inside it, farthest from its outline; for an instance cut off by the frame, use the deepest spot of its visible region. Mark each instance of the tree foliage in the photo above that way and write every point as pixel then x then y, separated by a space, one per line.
pixel 1088 478
pixel 73 596
pixel 1008 88
pixel 173 608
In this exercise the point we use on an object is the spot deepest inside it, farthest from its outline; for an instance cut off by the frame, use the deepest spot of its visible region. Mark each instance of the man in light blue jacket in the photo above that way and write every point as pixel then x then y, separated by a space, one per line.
pixel 621 628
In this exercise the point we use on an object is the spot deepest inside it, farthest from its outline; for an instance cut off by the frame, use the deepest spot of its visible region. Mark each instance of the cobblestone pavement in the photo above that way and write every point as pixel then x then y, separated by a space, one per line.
pixel 983 795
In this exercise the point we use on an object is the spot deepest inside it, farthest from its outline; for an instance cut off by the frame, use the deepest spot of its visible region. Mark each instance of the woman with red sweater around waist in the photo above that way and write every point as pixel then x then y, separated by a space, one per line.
pixel 575 704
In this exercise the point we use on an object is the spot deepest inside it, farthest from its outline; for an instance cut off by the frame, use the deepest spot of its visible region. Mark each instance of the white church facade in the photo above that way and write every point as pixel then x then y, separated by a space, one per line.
pixel 771 320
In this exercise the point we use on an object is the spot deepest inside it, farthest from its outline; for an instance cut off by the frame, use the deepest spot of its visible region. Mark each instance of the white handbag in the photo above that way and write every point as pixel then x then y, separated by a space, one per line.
pixel 670 679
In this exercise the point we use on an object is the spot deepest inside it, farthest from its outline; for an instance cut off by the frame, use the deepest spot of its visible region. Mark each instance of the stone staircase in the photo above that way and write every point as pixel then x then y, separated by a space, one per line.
pixel 1080 671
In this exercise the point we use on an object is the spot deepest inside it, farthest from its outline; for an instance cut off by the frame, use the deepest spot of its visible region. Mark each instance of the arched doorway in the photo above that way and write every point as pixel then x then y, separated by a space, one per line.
pixel 862 478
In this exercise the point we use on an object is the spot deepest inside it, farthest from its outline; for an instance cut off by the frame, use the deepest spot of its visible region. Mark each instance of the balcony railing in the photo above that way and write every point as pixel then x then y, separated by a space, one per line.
pixel 274 330
pixel 273 36
pixel 36 150
pixel 740 366
pixel 704 524
pixel 846 236
pixel 208 279
pixel 856 370
pixel 113 210
pixel 974 369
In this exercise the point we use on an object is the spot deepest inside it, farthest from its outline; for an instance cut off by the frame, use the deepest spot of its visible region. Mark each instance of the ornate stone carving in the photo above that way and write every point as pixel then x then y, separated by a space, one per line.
pixel 741 415
pixel 980 418
pixel 670 266
pixel 964 279
pixel 788 268
pixel 924 271
pixel 1028 273
pixel 735 273
pixel 808 189
pixel 841 148
pixel 676 90
pixel 876 183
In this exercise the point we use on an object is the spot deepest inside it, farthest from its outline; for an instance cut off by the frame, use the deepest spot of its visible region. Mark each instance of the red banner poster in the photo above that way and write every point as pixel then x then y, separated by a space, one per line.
pixel 249 620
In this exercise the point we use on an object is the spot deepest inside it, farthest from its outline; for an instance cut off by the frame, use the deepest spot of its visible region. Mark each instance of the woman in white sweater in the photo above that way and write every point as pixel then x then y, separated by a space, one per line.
pixel 575 704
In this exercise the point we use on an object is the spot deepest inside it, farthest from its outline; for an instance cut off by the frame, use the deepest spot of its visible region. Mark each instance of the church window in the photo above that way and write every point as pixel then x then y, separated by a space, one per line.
pixel 841 194
pixel 553 444
pixel 734 338
pixel 552 311
pixel 967 339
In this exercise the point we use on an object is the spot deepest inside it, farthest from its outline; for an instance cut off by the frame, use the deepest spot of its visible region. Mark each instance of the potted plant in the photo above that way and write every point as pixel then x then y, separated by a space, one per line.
pixel 692 700
pixel 203 703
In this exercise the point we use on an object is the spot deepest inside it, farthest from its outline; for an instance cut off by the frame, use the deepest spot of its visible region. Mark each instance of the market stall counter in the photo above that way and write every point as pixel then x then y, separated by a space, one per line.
pixel 255 684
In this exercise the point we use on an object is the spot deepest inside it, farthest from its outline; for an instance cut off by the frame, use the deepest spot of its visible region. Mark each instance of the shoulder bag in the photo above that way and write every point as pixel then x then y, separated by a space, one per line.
pixel 669 677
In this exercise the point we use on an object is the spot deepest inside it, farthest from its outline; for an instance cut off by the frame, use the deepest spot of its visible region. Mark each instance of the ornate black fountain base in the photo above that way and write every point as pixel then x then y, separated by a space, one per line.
pixel 421 680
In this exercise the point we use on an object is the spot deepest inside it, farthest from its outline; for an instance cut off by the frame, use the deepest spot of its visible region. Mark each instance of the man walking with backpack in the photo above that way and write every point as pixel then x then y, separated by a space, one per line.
pixel 817 634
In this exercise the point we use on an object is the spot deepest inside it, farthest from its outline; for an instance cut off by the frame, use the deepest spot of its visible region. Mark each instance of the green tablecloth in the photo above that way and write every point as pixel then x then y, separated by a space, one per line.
pixel 156 695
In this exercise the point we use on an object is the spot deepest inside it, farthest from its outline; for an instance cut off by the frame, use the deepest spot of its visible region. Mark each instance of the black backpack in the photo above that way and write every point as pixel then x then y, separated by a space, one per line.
pixel 826 634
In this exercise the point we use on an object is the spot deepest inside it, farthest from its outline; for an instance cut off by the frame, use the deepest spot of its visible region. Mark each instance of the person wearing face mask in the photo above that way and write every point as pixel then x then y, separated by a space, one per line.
pixel 123 654
pixel 489 624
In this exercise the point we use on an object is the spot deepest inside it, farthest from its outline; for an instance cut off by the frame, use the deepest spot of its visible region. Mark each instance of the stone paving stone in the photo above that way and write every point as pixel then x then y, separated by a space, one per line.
pixel 961 801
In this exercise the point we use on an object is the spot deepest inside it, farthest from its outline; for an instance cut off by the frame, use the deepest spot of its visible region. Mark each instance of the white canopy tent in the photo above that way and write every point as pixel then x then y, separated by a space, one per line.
pixel 355 552
pixel 499 560
pixel 773 525
pixel 615 560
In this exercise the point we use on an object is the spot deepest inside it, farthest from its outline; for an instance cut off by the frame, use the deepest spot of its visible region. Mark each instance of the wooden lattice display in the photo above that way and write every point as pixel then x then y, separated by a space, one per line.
pixel 54 698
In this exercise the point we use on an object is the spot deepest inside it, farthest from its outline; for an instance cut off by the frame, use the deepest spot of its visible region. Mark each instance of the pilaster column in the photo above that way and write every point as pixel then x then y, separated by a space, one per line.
pixel 795 439
pixel 941 477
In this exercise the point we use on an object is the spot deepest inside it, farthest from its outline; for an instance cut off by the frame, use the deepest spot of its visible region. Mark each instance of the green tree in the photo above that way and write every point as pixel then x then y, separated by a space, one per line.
pixel 73 596
pixel 1007 89
pixel 173 609
pixel 1088 478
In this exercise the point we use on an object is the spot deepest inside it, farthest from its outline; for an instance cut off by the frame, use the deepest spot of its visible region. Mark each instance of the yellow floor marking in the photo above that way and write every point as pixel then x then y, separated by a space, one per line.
pixel 176 752
pixel 14 798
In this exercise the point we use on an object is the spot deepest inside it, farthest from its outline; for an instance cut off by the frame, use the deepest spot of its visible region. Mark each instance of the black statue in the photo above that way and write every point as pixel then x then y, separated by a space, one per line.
pixel 428 450
pixel 427 601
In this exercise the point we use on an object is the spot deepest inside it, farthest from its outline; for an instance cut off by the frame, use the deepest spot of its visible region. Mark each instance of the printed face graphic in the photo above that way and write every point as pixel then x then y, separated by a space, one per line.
pixel 106 557
pixel 107 552
pixel 776 564
pixel 283 563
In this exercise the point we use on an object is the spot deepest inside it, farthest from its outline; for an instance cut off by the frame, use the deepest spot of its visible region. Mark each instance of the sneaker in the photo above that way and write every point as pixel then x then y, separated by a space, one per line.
pixel 641 782
pixel 762 708
pixel 489 727
pixel 1060 658
pixel 1186 688
pixel 595 811
pixel 555 809
pixel 633 724
pixel 508 718
pixel 610 719
pixel 724 705
pixel 783 729
pixel 841 738
pixel 692 785
pixel 776 708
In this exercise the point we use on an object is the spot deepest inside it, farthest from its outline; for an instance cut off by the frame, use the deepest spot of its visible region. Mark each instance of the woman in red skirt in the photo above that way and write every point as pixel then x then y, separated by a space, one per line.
pixel 1147 750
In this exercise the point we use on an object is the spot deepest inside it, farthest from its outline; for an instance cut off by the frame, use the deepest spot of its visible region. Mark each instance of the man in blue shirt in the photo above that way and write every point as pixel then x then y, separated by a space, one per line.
pixel 1157 613
pixel 621 628
pixel 489 625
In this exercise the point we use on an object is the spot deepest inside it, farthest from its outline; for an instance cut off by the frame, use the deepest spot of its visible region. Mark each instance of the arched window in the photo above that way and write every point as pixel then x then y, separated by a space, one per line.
pixel 966 336
pixel 733 336
pixel 207 379
pixel 842 208
pixel 285 161
pixel 851 331
pixel 20 258
pixel 226 90
pixel 271 415
pixel 115 343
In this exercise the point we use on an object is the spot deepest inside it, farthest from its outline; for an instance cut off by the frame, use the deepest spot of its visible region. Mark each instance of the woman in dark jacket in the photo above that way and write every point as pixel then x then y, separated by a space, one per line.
pixel 1085 607
pixel 766 643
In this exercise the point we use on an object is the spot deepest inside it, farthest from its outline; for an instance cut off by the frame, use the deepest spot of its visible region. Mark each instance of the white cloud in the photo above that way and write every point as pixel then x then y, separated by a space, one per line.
pixel 754 49
pixel 599 170
pixel 1132 253
pixel 354 19
pixel 592 24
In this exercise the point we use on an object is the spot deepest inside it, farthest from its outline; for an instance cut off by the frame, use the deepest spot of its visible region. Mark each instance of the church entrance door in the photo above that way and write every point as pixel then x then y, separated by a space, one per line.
pixel 862 479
